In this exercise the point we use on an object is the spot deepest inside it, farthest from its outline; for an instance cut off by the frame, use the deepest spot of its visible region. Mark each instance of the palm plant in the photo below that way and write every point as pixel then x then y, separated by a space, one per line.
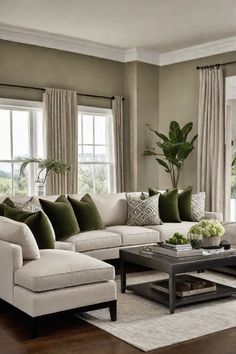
pixel 45 166
pixel 175 149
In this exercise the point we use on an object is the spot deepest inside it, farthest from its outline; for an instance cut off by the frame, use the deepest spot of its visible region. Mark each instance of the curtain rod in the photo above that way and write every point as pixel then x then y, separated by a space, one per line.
pixel 43 89
pixel 215 65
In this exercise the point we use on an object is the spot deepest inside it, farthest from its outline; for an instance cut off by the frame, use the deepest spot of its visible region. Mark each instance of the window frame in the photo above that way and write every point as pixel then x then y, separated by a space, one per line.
pixel 32 107
pixel 107 112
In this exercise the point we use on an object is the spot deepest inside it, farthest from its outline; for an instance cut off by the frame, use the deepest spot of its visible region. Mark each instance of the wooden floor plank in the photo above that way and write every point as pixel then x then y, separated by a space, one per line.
pixel 66 334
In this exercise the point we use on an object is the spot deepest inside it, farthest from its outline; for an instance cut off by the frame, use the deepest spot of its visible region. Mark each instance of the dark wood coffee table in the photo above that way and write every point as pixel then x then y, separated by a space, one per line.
pixel 174 266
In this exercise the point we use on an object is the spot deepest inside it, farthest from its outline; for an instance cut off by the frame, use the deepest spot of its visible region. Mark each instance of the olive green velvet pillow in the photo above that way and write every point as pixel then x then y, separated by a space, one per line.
pixel 62 217
pixel 168 205
pixel 184 202
pixel 87 213
pixel 37 223
pixel 2 209
pixel 8 202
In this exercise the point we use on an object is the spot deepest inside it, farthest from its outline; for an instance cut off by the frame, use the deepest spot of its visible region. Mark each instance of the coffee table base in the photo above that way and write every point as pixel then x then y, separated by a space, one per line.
pixel 146 291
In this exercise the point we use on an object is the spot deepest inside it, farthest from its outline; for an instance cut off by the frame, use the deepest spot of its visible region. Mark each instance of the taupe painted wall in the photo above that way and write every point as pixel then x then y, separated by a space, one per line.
pixel 147 112
pixel 43 67
pixel 130 126
pixel 178 100
pixel 141 88
pixel 152 95
pixel 23 64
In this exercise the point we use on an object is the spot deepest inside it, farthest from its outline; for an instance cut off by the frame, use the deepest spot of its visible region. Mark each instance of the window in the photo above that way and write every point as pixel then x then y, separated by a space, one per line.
pixel 95 150
pixel 21 135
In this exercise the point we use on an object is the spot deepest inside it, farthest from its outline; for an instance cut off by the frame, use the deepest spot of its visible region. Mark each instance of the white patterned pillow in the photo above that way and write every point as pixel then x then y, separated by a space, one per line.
pixel 31 205
pixel 141 195
pixel 198 206
pixel 143 211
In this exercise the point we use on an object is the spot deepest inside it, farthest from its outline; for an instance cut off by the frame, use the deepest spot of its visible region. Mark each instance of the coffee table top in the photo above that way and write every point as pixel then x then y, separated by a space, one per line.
pixel 164 262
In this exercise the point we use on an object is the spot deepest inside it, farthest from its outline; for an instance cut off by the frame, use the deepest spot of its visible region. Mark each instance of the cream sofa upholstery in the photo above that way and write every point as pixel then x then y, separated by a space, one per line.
pixel 62 279
pixel 169 228
pixel 56 269
pixel 59 280
pixel 105 244
pixel 135 235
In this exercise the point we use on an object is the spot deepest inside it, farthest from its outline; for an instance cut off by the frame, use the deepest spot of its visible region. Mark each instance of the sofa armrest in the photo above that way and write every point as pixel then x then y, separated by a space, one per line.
pixel 213 215
pixel 66 246
pixel 10 260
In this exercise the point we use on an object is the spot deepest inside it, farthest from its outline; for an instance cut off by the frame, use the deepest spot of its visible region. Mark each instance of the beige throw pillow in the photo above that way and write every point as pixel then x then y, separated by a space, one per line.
pixel 19 233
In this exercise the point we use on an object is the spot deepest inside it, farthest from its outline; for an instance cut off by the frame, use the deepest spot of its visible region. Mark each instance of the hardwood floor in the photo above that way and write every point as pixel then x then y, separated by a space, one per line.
pixel 66 334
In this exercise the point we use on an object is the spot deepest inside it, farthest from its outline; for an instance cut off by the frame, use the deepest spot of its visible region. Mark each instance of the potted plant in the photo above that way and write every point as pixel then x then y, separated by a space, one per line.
pixel 45 166
pixel 175 149
pixel 208 231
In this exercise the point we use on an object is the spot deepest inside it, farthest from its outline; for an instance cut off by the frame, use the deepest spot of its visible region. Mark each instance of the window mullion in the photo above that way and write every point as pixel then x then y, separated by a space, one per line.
pixel 106 166
pixel 13 163
pixel 32 149
pixel 82 136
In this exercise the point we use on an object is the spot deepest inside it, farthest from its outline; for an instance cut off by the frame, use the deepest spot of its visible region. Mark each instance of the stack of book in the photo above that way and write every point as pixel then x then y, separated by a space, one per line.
pixel 176 250
pixel 186 285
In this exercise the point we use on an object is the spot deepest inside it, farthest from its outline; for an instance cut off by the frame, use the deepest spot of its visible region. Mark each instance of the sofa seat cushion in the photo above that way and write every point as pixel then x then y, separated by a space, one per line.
pixel 169 228
pixel 135 235
pixel 93 240
pixel 57 269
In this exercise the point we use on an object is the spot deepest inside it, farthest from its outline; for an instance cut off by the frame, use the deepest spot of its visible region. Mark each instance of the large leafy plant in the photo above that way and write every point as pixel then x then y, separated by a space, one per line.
pixel 45 166
pixel 175 149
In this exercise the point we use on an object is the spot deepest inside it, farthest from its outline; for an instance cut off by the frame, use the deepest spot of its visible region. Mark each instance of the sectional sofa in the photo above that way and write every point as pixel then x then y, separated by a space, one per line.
pixel 105 244
pixel 74 274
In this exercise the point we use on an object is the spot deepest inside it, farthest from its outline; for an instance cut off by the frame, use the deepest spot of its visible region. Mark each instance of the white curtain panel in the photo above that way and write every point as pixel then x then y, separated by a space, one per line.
pixel 212 139
pixel 60 126
pixel 117 110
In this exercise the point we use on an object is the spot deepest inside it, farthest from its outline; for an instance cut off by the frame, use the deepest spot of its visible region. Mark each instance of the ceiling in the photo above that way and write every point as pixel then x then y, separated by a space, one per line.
pixel 156 26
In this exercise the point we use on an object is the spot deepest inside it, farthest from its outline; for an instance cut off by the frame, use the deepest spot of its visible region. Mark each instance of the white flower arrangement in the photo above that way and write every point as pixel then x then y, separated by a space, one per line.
pixel 207 228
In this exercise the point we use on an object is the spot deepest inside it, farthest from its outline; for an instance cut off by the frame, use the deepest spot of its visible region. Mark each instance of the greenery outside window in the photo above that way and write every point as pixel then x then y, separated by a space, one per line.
pixel 95 150
pixel 21 135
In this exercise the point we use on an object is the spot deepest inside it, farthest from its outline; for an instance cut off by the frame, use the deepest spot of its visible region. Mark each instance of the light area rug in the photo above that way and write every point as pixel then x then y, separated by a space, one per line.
pixel 148 325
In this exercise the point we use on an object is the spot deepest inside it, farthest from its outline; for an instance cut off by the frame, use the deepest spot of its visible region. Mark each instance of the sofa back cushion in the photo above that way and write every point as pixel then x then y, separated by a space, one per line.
pixel 112 207
pixel 19 233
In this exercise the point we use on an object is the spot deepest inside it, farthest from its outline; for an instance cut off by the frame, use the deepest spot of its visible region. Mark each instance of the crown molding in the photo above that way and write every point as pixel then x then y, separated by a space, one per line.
pixel 71 44
pixel 57 41
pixel 143 55
pixel 198 51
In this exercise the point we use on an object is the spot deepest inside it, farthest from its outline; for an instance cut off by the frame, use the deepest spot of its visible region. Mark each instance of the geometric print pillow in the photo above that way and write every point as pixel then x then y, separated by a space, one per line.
pixel 198 206
pixel 143 211
pixel 31 205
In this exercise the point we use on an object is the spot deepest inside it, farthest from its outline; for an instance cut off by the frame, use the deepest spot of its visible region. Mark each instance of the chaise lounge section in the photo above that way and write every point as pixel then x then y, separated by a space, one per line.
pixel 58 280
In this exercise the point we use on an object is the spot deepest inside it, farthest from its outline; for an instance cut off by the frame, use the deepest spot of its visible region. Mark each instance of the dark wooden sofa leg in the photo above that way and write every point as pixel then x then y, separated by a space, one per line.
pixel 34 327
pixel 113 310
